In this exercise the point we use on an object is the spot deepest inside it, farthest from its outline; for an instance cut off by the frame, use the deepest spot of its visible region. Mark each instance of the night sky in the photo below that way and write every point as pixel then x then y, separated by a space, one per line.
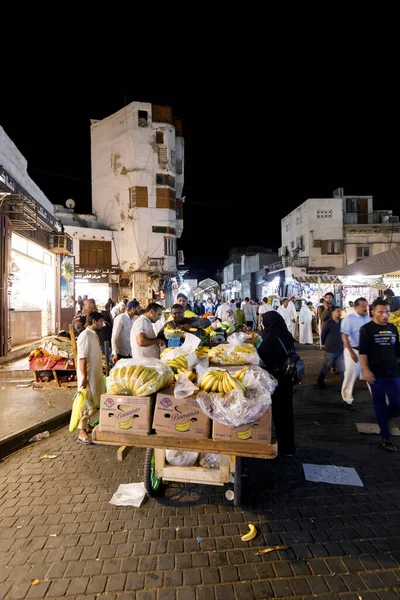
pixel 251 157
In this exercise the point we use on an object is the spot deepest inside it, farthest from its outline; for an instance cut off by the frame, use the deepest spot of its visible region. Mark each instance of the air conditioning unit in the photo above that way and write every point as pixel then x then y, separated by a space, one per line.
pixel 181 258
pixel 393 219
pixel 282 251
pixel 61 243
pixel 156 262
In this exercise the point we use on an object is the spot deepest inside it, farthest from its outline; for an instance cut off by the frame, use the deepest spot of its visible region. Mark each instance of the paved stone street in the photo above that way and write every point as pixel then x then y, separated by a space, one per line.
pixel 56 523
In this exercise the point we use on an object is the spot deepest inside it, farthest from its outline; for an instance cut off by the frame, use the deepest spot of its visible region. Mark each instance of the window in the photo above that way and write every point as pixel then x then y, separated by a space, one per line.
pixel 159 137
pixel 163 156
pixel 165 198
pixel 363 252
pixel 173 154
pixel 351 205
pixel 288 226
pixel 143 118
pixel 169 246
pixel 138 197
pixel 94 253
pixel 324 214
pixel 332 246
pixel 292 244
pixel 164 179
pixel 179 209
pixel 179 166
pixel 160 229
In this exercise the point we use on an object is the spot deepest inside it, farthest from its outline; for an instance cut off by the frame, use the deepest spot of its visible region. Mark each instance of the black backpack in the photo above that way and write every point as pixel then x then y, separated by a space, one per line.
pixel 293 369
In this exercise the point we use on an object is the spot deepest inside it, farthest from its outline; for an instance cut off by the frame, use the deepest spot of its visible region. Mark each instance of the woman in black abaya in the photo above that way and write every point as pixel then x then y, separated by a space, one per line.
pixel 274 356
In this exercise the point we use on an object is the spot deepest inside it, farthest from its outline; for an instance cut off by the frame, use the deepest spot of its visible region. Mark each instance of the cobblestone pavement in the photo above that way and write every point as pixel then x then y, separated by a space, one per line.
pixel 56 523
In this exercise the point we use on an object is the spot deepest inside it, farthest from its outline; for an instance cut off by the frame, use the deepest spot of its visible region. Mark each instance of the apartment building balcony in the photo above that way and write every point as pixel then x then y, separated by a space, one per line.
pixel 286 261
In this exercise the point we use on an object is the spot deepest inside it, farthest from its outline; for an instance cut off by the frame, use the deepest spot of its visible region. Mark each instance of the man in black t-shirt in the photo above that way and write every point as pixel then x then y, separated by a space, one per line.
pixel 379 351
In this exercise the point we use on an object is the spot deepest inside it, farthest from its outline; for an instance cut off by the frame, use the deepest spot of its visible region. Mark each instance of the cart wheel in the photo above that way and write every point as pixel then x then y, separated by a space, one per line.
pixel 237 485
pixel 152 483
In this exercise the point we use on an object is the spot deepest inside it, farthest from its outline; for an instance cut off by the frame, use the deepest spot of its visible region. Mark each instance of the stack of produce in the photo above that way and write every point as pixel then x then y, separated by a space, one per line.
pixel 202 352
pixel 221 382
pixel 139 377
pixel 229 354
pixel 395 319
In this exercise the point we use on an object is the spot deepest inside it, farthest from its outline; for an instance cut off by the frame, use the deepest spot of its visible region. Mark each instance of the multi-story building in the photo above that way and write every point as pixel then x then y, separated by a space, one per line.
pixel 323 234
pixel 137 184
pixel 245 272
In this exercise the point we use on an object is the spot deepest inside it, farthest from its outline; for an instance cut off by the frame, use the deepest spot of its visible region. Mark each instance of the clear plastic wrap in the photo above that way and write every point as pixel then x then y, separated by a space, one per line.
pixel 235 352
pixel 236 407
pixel 181 458
pixel 209 461
pixel 139 377
pixel 184 387
pixel 184 357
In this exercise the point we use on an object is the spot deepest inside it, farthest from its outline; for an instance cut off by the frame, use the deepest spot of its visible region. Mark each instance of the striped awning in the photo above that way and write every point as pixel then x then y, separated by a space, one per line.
pixel 311 278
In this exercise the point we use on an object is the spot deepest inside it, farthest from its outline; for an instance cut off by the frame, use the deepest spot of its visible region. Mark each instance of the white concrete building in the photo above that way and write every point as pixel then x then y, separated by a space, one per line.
pixel 137 184
pixel 323 234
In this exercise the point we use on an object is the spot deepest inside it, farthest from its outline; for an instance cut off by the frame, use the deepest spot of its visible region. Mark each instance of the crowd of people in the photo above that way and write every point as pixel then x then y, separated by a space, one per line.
pixel 363 345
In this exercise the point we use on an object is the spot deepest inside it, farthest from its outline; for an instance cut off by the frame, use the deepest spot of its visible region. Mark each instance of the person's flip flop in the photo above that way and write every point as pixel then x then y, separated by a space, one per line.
pixel 87 442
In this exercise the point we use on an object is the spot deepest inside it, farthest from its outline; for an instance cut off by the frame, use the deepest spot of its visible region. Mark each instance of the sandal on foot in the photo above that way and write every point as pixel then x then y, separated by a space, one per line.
pixel 87 442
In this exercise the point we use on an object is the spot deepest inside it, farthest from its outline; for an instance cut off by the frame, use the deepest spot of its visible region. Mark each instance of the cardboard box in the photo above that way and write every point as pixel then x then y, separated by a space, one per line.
pixel 182 417
pixel 128 414
pixel 254 433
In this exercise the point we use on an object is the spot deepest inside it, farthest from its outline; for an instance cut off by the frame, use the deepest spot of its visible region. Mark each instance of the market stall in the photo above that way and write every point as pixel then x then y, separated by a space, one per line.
pixel 197 410
pixel 369 276
pixel 53 360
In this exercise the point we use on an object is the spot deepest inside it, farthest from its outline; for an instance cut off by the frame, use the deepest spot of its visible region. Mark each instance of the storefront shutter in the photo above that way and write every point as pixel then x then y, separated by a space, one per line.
pixel 324 246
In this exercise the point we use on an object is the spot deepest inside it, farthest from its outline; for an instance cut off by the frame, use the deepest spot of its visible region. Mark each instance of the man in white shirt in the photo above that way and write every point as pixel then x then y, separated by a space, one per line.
pixel 286 312
pixel 144 342
pixel 249 313
pixel 121 334
pixel 350 309
pixel 350 329
pixel 221 312
pixel 264 307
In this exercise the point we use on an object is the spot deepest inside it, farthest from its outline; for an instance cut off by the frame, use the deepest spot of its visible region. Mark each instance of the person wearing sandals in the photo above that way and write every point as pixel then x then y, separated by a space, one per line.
pixel 90 371
pixel 379 355
pixel 271 351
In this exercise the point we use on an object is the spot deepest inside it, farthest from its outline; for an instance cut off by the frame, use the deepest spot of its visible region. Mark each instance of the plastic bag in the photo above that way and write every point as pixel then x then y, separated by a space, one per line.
pixel 82 407
pixel 234 409
pixel 209 461
pixel 180 458
pixel 139 377
pixel 233 354
pixel 184 357
pixel 184 387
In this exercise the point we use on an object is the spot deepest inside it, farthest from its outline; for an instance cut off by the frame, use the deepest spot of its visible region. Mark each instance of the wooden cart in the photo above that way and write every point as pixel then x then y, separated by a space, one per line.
pixel 156 469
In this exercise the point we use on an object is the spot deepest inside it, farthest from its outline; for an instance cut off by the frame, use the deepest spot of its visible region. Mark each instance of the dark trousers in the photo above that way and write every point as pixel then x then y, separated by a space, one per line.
pixel 120 356
pixel 330 359
pixel 385 387
pixel 249 323
pixel 282 415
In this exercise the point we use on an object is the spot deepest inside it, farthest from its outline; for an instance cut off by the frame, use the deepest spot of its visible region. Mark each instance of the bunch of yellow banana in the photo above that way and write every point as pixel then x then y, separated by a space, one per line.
pixel 182 427
pixel 245 435
pixel 241 373
pixel 202 352
pixel 228 355
pixel 126 424
pixel 220 382
pixel 180 362
pixel 191 375
pixel 137 380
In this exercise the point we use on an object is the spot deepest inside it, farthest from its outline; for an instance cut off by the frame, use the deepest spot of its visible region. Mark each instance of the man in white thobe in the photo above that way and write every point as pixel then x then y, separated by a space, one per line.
pixel 90 371
pixel 222 310
pixel 286 312
pixel 305 325
pixel 121 333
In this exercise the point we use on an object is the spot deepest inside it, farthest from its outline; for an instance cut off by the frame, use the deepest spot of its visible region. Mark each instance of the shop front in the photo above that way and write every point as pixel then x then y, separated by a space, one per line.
pixel 97 283
pixel 32 297
pixel 30 302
